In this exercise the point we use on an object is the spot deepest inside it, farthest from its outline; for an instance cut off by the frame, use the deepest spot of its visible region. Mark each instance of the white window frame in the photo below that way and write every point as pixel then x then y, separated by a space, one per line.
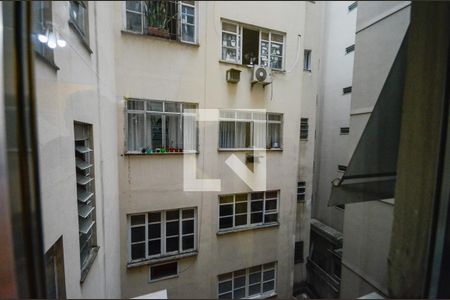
pixel 249 212
pixel 180 22
pixel 124 15
pixel 252 119
pixel 239 36
pixel 163 236
pixel 260 295
pixel 147 112
pixel 180 5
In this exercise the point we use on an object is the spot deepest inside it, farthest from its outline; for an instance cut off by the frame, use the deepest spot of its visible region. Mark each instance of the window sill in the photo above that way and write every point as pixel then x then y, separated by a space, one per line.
pixel 157 154
pixel 46 61
pixel 226 231
pixel 247 66
pixel 87 267
pixel 124 31
pixel 161 259
pixel 80 37
pixel 263 296
pixel 248 149
pixel 306 70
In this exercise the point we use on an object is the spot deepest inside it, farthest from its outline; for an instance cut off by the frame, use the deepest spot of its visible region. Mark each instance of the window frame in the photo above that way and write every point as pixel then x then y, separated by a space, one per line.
pixel 252 121
pixel 83 34
pixel 239 37
pixel 261 294
pixel 179 36
pixel 147 112
pixel 301 195
pixel 45 23
pixel 163 236
pixel 307 56
pixel 249 224
pixel 304 129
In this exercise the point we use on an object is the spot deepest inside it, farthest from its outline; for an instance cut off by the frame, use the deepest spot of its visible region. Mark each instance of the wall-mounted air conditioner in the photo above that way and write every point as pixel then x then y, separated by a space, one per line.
pixel 262 75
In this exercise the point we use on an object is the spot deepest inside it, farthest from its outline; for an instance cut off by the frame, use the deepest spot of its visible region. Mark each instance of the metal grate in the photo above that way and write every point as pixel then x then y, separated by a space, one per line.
pixel 353 6
pixel 342 168
pixel 344 130
pixel 350 49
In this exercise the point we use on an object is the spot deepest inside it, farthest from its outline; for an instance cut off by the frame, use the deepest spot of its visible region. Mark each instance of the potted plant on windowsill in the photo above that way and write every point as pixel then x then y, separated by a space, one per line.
pixel 158 18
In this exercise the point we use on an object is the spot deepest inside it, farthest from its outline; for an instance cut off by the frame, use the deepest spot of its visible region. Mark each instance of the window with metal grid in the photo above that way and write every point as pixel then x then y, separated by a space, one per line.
pixel 347 90
pixel 304 128
pixel 301 191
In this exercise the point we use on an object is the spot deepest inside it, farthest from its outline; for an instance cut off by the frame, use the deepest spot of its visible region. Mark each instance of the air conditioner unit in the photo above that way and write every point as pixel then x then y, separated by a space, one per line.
pixel 261 75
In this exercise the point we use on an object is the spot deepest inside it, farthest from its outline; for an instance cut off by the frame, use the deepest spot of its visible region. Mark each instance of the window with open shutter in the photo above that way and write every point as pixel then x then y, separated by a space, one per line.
pixel 85 178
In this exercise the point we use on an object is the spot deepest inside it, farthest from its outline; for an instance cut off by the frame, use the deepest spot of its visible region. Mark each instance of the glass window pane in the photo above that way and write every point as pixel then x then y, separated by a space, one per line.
pixel 229 27
pixel 241 207
pixel 257 206
pixel 172 107
pixel 256 217
pixel 172 244
pixel 274 117
pixel 271 195
pixel 134 22
pixel 254 278
pixel 226 210
pixel 172 228
pixel 136 220
pixel 267 275
pixel 243 135
pixel 174 136
pixel 188 227
pixel 154 131
pixel 226 222
pixel 239 282
pixel 154 106
pixel 188 242
pixel 268 286
pixel 226 199
pixel 134 5
pixel 154 247
pixel 256 196
pixel 137 234
pixel 240 220
pixel 239 293
pixel 273 135
pixel 154 231
pixel 135 105
pixel 188 32
pixel 265 36
pixel 271 204
pixel 254 289
pixel 277 38
pixel 154 217
pixel 270 218
pixel 227 276
pixel 226 138
pixel 135 139
pixel 172 214
pixel 138 251
pixel 241 197
pixel 226 296
pixel 225 286
pixel 188 213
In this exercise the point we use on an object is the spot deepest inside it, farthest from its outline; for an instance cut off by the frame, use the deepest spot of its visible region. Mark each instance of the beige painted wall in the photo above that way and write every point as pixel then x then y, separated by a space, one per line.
pixel 152 68
pixel 76 93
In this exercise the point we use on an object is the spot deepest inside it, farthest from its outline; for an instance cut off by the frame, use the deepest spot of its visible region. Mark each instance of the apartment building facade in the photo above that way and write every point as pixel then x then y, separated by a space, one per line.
pixel 376 94
pixel 234 241
pixel 331 155
pixel 78 160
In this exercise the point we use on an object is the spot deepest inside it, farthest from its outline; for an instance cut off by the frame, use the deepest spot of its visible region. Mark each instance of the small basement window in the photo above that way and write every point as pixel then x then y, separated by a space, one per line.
pixel 163 271
pixel 347 90
pixel 342 168
pixel 345 130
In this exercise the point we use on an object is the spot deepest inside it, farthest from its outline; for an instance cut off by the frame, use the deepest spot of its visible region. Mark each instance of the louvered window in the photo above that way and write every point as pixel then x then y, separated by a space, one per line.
pixel 347 90
pixel 304 128
pixel 353 6
pixel 350 49
pixel 85 178
pixel 344 130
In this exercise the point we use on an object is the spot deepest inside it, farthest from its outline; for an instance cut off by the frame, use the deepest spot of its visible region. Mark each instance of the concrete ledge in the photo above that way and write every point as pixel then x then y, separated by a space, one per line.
pixel 161 259
pixel 226 231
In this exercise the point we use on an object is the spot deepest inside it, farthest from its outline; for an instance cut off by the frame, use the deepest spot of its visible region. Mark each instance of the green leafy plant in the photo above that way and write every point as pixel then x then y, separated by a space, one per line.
pixel 157 15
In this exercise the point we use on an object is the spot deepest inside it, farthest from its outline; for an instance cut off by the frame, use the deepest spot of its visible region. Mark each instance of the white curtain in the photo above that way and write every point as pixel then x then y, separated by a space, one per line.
pixel 259 130
pixel 190 133
pixel 227 134
pixel 135 139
